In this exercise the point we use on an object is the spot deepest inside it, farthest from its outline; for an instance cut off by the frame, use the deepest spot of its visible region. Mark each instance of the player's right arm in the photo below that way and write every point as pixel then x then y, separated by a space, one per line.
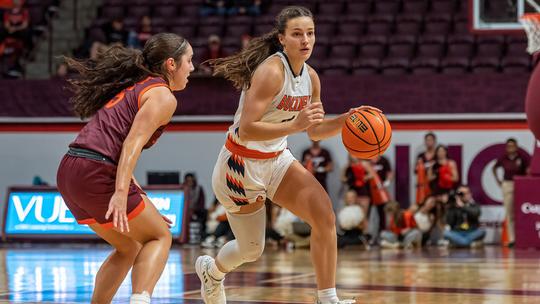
pixel 266 83
pixel 158 106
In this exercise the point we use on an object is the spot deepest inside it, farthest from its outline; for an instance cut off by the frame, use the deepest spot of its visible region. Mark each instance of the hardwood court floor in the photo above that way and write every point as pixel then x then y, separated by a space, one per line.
pixel 492 275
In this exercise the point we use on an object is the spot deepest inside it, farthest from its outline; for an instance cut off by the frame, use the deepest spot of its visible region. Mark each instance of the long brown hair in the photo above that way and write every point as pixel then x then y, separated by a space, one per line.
pixel 239 67
pixel 118 68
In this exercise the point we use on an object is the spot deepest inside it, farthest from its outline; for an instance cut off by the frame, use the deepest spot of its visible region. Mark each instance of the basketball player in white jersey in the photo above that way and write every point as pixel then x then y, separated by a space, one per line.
pixel 280 96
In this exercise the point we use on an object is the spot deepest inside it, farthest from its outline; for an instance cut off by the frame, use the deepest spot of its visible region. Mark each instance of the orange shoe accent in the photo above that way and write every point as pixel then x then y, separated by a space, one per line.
pixel 248 153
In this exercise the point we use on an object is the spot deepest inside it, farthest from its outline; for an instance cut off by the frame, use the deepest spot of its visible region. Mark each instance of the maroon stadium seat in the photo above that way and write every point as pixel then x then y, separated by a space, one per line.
pixel 358 8
pixel 365 66
pixel 395 66
pixel 330 8
pixel 424 66
pixel 387 6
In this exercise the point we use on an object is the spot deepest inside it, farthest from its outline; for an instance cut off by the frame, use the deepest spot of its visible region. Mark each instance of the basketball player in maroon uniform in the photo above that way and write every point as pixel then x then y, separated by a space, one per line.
pixel 128 94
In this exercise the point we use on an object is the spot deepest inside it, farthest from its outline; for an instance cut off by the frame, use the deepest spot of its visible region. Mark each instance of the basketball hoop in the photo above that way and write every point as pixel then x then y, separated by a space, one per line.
pixel 531 24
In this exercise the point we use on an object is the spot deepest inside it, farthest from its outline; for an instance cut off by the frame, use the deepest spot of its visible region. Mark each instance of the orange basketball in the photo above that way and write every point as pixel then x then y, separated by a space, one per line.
pixel 366 134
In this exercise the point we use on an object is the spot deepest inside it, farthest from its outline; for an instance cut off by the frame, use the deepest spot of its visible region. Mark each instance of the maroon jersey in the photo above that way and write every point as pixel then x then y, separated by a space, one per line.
pixel 107 130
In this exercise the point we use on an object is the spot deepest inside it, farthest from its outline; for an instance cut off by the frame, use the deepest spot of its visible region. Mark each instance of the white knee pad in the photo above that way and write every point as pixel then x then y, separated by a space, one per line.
pixel 249 231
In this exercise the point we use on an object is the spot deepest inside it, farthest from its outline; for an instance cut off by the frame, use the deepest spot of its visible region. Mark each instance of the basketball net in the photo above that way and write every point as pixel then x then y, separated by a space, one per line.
pixel 531 24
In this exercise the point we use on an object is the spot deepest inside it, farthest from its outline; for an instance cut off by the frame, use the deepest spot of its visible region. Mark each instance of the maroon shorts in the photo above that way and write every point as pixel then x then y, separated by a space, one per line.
pixel 87 186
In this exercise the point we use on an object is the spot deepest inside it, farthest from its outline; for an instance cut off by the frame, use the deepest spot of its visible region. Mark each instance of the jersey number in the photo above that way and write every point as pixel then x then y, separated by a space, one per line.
pixel 116 99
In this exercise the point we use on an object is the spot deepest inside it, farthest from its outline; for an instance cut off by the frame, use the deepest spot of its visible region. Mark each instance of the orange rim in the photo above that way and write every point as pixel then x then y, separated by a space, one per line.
pixel 531 17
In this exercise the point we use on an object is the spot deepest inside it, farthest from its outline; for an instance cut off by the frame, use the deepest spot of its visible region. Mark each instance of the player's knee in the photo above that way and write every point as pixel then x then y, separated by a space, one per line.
pixel 166 237
pixel 253 251
pixel 323 217
pixel 129 249
pixel 328 220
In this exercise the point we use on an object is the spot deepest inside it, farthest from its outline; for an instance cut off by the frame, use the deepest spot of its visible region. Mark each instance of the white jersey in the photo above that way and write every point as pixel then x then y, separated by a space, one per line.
pixel 293 97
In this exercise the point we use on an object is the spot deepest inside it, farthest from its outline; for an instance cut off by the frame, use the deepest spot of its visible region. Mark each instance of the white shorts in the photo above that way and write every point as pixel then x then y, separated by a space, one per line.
pixel 239 181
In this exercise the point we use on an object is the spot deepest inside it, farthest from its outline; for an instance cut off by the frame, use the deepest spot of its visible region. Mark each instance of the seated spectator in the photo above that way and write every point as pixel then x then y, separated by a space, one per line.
pixel 196 208
pixel 463 218
pixel 38 181
pixel 424 217
pixel 115 33
pixel 403 231
pixel 213 50
pixel 16 23
pixel 219 225
pixel 352 221
pixel 213 7
pixel 16 37
pixel 292 229
pixel 138 38
pixel 245 7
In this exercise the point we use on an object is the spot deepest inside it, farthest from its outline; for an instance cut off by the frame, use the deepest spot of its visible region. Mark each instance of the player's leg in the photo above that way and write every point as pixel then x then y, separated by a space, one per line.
pixel 145 248
pixel 149 229
pixel 300 193
pixel 112 272
pixel 248 245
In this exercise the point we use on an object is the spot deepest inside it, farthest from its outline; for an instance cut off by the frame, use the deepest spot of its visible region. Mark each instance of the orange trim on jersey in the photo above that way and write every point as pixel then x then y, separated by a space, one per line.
pixel 87 221
pixel 242 151
pixel 130 215
pixel 146 89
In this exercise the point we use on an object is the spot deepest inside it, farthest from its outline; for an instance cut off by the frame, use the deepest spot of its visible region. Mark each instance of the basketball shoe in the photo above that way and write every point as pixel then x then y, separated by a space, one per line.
pixel 212 290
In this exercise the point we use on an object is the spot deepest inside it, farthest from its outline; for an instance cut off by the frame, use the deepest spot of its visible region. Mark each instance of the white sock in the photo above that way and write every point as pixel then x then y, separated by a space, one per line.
pixel 140 298
pixel 327 296
pixel 215 272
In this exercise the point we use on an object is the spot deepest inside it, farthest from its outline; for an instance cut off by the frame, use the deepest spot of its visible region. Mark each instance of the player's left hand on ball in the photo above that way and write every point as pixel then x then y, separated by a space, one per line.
pixel 360 108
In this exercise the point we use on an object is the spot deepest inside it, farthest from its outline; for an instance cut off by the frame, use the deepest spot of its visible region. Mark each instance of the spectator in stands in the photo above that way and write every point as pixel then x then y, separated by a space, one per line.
pixel 352 221
pixel 195 193
pixel 425 160
pixel 214 50
pixel 512 164
pixel 443 175
pixel 213 7
pixel 380 194
pixel 115 33
pixel 38 181
pixel 16 37
pixel 138 38
pixel 219 225
pixel 318 161
pixel 402 229
pixel 356 176
pixel 293 230
pixel 245 7
pixel 463 218
pixel 424 216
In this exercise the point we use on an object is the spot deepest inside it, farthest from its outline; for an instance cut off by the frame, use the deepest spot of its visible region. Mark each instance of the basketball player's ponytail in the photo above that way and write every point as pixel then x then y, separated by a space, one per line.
pixel 118 68
pixel 239 67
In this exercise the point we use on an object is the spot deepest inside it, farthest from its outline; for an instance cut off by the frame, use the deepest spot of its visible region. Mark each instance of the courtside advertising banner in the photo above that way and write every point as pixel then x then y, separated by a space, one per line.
pixel 44 213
